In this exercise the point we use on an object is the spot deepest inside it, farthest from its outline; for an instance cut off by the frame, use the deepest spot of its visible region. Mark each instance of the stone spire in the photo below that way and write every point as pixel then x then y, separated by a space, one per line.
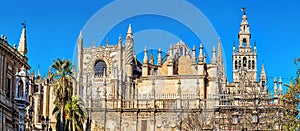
pixel 170 55
pixel 263 75
pixel 145 64
pixel 275 88
pixel 200 57
pixel 120 41
pixel 280 85
pixel 106 43
pixel 80 62
pixel 129 46
pixel 194 54
pixel 220 54
pixel 159 61
pixel 129 31
pixel 23 43
pixel 39 72
pixel 145 60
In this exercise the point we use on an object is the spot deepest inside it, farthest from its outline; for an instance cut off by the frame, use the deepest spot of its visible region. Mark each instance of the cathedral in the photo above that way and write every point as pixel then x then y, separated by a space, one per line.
pixel 159 93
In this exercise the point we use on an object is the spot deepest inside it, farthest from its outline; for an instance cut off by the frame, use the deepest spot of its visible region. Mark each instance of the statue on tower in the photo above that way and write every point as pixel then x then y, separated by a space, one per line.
pixel 244 10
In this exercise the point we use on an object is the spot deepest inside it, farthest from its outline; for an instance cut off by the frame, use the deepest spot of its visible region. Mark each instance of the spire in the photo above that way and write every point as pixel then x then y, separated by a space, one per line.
pixel 145 56
pixel 79 40
pixel 280 85
pixel 214 59
pixel 129 46
pixel 39 72
pixel 23 44
pixel 106 43
pixel 200 58
pixel 159 57
pixel 120 40
pixel 194 54
pixel 275 87
pixel 220 57
pixel 151 59
pixel 129 31
pixel 263 75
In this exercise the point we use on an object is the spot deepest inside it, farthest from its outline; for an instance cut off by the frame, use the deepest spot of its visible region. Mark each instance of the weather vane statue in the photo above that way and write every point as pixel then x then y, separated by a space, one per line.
pixel 244 10
pixel 24 24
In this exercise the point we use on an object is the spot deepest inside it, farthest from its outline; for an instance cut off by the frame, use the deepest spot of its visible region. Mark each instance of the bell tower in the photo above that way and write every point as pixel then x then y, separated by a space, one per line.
pixel 244 58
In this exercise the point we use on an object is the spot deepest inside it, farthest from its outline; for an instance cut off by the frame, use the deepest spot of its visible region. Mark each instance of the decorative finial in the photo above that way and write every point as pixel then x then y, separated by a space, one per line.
pixel 244 10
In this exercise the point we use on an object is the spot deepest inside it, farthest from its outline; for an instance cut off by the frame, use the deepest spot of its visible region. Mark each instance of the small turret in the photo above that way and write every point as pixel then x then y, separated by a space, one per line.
pixel 145 65
pixel 194 54
pixel 200 58
pixel 263 77
pixel 145 60
pixel 170 61
pixel 280 86
pixel 275 88
pixel 23 43
pixel 159 61
pixel 120 41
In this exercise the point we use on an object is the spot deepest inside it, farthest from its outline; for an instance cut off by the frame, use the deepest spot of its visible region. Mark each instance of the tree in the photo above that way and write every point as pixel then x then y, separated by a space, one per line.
pixel 62 87
pixel 291 102
pixel 74 114
pixel 196 121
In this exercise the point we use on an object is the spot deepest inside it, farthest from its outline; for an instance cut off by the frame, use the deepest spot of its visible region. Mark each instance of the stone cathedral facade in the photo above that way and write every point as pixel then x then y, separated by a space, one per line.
pixel 123 93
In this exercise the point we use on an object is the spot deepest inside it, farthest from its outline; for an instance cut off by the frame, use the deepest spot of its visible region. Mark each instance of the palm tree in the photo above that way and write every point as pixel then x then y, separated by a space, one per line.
pixel 74 114
pixel 63 86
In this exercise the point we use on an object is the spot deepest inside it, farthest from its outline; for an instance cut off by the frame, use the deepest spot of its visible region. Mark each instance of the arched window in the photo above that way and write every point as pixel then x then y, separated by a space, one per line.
pixel 244 62
pixel 239 64
pixel 100 68
pixel 181 51
pixel 253 64
pixel 235 64
pixel 249 64
pixel 244 42
pixel 20 89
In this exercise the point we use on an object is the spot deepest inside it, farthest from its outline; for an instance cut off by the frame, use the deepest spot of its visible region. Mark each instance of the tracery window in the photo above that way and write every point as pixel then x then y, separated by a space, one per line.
pixel 181 51
pixel 100 68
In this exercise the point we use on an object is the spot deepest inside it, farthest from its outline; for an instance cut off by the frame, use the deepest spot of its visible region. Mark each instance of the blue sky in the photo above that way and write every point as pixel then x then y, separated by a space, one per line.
pixel 53 27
